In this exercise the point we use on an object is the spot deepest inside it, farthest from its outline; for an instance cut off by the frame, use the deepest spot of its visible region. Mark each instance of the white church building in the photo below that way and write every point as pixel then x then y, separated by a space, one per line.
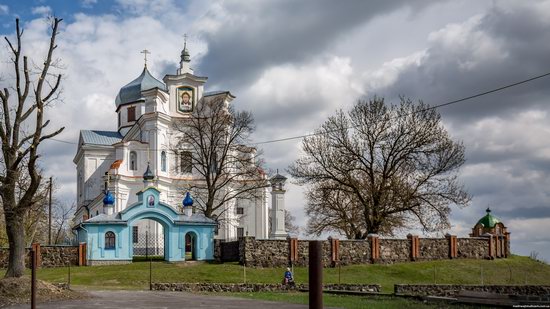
pixel 117 160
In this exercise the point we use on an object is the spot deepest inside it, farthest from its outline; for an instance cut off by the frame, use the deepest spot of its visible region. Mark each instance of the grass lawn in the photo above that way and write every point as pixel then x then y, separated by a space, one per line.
pixel 514 270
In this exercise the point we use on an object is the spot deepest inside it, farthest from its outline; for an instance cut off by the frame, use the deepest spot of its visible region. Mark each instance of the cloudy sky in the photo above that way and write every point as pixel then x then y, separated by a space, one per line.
pixel 293 63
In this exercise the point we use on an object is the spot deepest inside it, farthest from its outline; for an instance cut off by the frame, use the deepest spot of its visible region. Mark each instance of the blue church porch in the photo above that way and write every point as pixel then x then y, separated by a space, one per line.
pixel 109 236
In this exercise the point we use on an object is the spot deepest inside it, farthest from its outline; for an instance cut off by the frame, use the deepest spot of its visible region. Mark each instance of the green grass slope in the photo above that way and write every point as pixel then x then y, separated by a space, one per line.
pixel 514 270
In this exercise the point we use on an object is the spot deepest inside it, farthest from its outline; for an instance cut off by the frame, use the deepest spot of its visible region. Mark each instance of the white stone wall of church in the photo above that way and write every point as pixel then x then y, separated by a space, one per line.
pixel 158 133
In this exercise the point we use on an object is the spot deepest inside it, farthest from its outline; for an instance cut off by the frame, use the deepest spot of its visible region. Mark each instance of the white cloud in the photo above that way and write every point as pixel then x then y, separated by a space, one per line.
pixel 388 73
pixel 41 10
pixel 88 3
pixel 292 89
pixel 468 43
pixel 4 9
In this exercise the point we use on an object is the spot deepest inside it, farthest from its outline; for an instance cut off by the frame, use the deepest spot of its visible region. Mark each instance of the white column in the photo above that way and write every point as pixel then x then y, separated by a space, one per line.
pixel 278 214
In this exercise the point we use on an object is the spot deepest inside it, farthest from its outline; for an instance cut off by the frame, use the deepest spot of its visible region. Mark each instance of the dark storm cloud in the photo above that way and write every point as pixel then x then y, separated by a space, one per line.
pixel 503 46
pixel 506 134
pixel 255 36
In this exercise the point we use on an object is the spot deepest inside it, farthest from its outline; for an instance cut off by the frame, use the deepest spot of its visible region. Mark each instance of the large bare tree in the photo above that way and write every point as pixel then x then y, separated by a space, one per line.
pixel 212 143
pixel 390 165
pixel 331 208
pixel 22 129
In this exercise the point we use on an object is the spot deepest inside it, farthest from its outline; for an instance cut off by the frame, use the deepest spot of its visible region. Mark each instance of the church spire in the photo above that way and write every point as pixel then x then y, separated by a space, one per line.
pixel 185 58
pixel 185 53
pixel 145 52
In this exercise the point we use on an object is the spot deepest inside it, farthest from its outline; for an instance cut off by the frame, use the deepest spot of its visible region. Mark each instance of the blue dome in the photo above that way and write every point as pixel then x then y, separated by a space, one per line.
pixel 187 201
pixel 109 199
pixel 132 91
pixel 148 175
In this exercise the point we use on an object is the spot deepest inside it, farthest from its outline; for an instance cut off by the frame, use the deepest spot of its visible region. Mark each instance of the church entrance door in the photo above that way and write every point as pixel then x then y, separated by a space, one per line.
pixel 190 246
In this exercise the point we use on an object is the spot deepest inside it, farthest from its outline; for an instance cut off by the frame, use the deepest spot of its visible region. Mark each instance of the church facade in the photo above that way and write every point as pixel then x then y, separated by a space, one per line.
pixel 115 161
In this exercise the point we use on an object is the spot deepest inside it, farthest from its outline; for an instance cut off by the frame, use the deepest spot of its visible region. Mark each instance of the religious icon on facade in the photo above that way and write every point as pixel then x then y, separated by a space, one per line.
pixel 151 201
pixel 185 99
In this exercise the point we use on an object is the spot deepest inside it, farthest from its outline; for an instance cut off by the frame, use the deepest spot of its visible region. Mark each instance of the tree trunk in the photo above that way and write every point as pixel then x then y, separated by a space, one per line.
pixel 16 239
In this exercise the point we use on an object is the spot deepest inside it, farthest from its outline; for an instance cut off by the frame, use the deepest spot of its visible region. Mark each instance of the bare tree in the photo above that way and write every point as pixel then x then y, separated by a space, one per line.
pixel 36 217
pixel 212 144
pixel 61 228
pixel 290 223
pixel 331 208
pixel 393 166
pixel 20 149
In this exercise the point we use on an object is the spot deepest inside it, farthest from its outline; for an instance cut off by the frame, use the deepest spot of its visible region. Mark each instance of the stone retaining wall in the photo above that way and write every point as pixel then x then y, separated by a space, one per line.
pixel 395 250
pixel 281 253
pixel 452 290
pixel 434 249
pixel 4 255
pixel 255 287
pixel 50 256
pixel 54 256
pixel 263 253
pixel 354 252
pixel 472 248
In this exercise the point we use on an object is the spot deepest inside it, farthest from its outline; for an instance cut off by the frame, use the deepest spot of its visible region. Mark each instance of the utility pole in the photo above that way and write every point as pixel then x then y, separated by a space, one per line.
pixel 50 215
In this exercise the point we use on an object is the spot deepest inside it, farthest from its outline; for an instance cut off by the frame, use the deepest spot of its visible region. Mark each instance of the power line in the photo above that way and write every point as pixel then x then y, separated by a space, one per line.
pixel 61 141
pixel 431 107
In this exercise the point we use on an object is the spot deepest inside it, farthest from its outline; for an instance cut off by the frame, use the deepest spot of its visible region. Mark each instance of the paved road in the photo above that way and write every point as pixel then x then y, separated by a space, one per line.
pixel 159 300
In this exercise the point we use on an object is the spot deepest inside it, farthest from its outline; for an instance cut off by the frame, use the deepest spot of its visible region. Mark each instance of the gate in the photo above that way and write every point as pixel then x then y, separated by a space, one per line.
pixel 146 244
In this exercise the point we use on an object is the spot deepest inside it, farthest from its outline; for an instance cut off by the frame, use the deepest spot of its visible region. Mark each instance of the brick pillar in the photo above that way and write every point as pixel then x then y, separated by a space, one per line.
pixel 38 260
pixel 374 247
pixel 453 250
pixel 415 246
pixel 292 250
pixel 506 244
pixel 503 246
pixel 491 245
pixel 82 254
pixel 334 251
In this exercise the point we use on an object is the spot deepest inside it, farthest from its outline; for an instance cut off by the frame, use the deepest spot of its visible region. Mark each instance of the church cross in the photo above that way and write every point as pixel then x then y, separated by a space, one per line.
pixel 145 52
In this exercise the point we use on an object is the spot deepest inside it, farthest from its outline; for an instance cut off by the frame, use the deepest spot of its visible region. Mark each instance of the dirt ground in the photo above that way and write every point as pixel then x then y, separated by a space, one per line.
pixel 18 290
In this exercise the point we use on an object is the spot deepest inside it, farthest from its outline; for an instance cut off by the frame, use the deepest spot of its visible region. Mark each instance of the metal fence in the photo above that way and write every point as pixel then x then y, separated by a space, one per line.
pixel 146 244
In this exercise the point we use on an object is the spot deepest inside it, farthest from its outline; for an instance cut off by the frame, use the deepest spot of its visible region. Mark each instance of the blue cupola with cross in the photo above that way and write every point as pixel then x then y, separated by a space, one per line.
pixel 108 203
pixel 108 199
pixel 188 204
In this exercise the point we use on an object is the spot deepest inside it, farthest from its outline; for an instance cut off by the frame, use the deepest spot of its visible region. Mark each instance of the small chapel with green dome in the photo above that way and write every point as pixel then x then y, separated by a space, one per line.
pixel 490 226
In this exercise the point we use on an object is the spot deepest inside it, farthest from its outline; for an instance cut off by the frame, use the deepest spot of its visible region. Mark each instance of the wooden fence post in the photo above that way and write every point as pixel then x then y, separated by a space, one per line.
pixel 38 254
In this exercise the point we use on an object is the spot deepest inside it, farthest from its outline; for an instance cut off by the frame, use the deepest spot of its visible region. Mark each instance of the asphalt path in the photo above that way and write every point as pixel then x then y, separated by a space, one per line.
pixel 158 300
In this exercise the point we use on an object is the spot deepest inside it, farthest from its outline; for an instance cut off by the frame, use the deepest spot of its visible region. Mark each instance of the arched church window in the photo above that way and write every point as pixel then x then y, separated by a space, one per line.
pixel 133 161
pixel 109 240
pixel 163 161
pixel 131 113
pixel 186 164
pixel 214 163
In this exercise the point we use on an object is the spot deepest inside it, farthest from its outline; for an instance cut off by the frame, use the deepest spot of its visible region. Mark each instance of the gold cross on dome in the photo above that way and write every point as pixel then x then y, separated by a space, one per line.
pixel 145 52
